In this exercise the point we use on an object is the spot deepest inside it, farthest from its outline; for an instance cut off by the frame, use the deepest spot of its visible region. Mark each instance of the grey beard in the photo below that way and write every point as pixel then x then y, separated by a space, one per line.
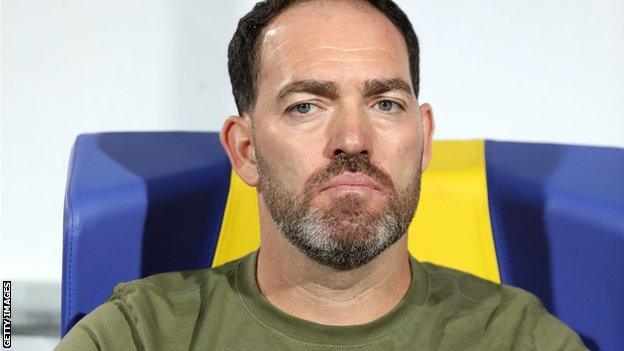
pixel 320 239
pixel 346 235
pixel 343 237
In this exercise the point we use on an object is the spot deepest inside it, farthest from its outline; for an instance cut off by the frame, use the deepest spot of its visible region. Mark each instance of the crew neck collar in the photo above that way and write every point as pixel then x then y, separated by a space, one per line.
pixel 305 331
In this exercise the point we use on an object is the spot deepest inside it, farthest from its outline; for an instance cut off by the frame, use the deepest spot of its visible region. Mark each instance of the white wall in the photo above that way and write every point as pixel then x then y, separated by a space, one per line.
pixel 522 70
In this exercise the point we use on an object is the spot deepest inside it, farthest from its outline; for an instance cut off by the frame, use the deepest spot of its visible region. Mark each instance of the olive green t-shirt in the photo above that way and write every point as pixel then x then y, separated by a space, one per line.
pixel 223 309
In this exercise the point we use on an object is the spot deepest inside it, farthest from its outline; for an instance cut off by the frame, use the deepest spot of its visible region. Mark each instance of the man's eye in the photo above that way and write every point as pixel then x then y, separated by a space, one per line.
pixel 388 106
pixel 302 109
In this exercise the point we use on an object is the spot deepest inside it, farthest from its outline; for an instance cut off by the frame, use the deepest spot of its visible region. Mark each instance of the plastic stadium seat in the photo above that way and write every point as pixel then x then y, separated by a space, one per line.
pixel 547 218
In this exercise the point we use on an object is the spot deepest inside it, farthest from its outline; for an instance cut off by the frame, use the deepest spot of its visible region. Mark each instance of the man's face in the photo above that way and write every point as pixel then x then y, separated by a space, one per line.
pixel 337 131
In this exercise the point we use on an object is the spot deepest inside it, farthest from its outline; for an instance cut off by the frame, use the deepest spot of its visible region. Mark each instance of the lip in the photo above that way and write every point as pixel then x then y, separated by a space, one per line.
pixel 352 180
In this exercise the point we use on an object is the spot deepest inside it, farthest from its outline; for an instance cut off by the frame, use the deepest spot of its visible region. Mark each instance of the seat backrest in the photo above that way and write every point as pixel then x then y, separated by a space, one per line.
pixel 557 214
pixel 547 218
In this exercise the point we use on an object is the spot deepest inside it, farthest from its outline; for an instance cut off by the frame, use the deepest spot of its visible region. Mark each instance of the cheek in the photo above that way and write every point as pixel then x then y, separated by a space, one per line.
pixel 401 153
pixel 292 159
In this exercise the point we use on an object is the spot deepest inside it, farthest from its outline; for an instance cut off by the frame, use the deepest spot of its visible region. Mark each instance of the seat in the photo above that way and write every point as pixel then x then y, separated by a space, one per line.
pixel 544 217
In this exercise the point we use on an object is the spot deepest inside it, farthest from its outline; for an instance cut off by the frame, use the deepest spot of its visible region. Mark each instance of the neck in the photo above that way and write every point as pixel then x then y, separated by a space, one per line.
pixel 305 289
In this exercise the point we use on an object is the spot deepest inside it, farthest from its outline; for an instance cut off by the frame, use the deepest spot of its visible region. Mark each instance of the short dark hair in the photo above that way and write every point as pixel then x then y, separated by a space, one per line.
pixel 244 48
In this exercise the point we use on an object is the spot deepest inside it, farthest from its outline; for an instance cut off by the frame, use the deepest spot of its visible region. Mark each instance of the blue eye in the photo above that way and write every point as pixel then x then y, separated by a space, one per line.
pixel 388 106
pixel 303 108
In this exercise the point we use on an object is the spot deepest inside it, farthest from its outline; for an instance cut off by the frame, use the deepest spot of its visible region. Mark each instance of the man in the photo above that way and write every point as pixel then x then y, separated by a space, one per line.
pixel 331 134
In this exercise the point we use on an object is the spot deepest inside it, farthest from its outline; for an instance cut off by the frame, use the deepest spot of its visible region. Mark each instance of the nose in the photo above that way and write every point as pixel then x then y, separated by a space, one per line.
pixel 349 133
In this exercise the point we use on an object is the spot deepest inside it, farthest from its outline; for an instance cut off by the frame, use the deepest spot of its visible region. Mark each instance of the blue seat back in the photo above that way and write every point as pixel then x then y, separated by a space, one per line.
pixel 557 214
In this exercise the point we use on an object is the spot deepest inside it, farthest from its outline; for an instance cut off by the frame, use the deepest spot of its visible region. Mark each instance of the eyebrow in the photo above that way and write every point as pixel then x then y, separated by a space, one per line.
pixel 380 86
pixel 310 86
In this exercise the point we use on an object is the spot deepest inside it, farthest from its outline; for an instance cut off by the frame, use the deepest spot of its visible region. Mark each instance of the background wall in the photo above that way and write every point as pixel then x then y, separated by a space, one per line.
pixel 525 70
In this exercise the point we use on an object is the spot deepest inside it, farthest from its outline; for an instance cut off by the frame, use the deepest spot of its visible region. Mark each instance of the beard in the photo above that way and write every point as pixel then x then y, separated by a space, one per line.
pixel 346 235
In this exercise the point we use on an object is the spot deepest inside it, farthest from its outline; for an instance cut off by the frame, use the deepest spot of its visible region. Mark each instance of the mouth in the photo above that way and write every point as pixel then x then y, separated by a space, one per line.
pixel 351 182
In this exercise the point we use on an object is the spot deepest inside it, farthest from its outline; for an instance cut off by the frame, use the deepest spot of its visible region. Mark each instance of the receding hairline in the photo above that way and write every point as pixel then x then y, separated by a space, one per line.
pixel 249 39
pixel 357 4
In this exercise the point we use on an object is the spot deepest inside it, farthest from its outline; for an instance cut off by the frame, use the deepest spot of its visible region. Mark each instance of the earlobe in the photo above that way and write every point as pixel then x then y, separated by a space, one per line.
pixel 428 128
pixel 237 139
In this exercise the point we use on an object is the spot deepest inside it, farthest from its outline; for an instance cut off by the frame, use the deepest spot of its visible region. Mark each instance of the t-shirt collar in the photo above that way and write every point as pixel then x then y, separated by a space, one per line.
pixel 309 332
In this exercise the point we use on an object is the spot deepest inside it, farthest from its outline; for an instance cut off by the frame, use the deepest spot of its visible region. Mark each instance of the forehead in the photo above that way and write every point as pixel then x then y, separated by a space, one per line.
pixel 332 40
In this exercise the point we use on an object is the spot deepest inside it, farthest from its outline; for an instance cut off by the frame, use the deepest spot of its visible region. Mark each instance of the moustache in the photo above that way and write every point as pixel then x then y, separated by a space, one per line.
pixel 359 163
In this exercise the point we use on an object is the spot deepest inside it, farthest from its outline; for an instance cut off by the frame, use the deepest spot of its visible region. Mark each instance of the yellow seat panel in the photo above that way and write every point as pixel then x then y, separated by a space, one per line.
pixel 452 222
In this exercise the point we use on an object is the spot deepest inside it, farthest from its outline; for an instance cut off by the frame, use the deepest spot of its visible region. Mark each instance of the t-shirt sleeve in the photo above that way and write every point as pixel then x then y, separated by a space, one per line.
pixel 105 328
pixel 552 335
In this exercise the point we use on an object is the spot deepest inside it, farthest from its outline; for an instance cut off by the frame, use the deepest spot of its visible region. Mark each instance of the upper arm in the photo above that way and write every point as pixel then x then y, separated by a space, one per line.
pixel 105 328
pixel 552 334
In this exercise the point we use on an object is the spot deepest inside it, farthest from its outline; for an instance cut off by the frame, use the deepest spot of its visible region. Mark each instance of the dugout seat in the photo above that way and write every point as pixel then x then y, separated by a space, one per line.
pixel 544 217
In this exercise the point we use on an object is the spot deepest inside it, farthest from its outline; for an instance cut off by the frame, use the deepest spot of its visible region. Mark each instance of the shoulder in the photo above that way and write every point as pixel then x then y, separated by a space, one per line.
pixel 499 312
pixel 149 306
pixel 176 291
pixel 177 284
pixel 105 328
pixel 447 282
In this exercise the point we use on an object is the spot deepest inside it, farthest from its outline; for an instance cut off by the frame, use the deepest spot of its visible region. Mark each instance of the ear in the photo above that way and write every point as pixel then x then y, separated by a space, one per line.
pixel 428 127
pixel 237 139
